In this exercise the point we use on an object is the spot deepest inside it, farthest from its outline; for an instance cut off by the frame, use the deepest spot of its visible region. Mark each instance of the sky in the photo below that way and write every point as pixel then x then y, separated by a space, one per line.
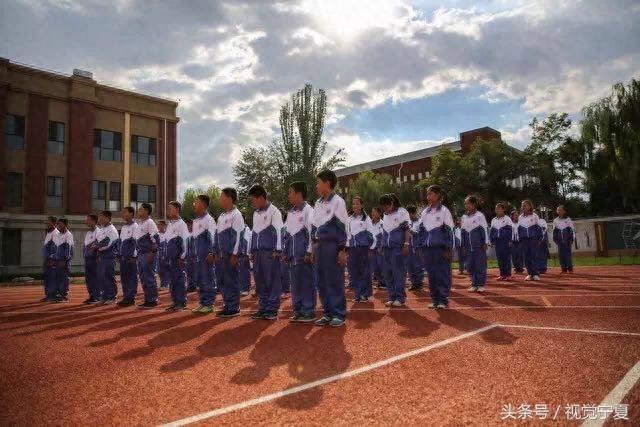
pixel 399 75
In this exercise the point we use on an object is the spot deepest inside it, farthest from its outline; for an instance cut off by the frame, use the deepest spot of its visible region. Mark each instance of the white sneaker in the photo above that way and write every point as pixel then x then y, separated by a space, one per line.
pixel 388 303
pixel 528 278
pixel 244 293
pixel 433 305
pixel 472 289
pixel 442 306
pixel 397 304
pixel 536 277
pixel 480 288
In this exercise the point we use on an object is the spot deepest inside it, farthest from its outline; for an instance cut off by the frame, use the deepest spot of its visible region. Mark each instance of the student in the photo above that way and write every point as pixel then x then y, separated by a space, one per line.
pixel 163 266
pixel 266 248
pixel 436 246
pixel 563 236
pixel 543 249
pixel 462 257
pixel 230 228
pixel 202 254
pixel 107 244
pixel 63 254
pixel 191 271
pixel 297 253
pixel 285 271
pixel 361 242
pixel 244 265
pixel 127 256
pixel 90 260
pixel 530 237
pixel 475 240
pixel 48 252
pixel 396 242
pixel 501 237
pixel 147 242
pixel 177 235
pixel 415 266
pixel 516 248
pixel 329 236
pixel 376 257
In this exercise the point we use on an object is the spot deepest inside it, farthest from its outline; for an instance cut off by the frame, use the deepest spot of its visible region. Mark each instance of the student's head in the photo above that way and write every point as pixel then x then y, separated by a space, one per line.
pixel 297 193
pixel 358 206
pixel 128 213
pixel 62 224
pixel 144 210
pixel 173 209
pixel 201 204
pixel 526 207
pixel 515 214
pixel 471 204
pixel 413 212
pixel 389 202
pixel 258 196
pixel 501 208
pixel 228 198
pixel 91 220
pixel 326 182
pixel 50 222
pixel 189 223
pixel 376 214
pixel 434 194
pixel 561 211
pixel 162 226
pixel 104 218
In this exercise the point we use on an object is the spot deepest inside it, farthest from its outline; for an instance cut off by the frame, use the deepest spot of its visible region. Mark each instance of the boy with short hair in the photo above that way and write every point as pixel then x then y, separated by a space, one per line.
pixel 48 252
pixel 127 257
pixel 63 255
pixel 147 242
pixel 176 235
pixel 203 251
pixel 107 243
pixel 91 261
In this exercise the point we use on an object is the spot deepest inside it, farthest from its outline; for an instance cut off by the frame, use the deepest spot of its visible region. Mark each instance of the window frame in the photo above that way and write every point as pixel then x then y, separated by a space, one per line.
pixel 133 195
pixel 151 153
pixel 54 142
pixel 116 140
pixel 8 185
pixel 112 199
pixel 55 195
pixel 10 138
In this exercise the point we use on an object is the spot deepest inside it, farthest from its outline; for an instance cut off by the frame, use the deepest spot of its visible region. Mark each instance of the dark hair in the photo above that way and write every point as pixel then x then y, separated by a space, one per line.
pixel 231 193
pixel 63 220
pixel 299 187
pixel 385 199
pixel 328 176
pixel 503 205
pixel 176 205
pixel 163 222
pixel 473 200
pixel 52 218
pixel 93 217
pixel 395 200
pixel 412 209
pixel 147 207
pixel 129 209
pixel 364 211
pixel 258 190
pixel 204 198
pixel 106 213
pixel 188 221
pixel 435 188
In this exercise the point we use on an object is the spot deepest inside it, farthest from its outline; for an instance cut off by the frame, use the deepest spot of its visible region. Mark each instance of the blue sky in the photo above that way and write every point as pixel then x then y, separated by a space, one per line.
pixel 400 75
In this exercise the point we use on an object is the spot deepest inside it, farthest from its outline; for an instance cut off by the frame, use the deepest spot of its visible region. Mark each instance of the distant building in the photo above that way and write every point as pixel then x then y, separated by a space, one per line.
pixel 71 146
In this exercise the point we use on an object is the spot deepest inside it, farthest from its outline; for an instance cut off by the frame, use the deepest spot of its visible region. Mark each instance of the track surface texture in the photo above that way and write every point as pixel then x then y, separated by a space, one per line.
pixel 567 340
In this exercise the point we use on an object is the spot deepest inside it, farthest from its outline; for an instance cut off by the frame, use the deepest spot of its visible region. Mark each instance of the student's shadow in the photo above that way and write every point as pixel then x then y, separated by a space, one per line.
pixel 508 301
pixel 107 326
pixel 464 323
pixel 142 330
pixel 364 316
pixel 69 321
pixel 415 325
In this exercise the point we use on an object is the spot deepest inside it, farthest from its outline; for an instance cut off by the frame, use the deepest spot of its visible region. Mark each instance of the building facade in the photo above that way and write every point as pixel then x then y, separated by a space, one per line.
pixel 72 146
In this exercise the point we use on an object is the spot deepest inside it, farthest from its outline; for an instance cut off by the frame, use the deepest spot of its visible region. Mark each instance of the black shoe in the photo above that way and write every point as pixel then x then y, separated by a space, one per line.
pixel 304 318
pixel 148 304
pixel 270 315
pixel 126 302
pixel 90 301
pixel 62 299
pixel 258 315
pixel 108 301
pixel 228 313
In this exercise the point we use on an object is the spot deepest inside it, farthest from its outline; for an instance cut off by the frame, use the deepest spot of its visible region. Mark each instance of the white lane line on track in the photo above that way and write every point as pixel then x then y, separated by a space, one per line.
pixel 546 301
pixel 559 329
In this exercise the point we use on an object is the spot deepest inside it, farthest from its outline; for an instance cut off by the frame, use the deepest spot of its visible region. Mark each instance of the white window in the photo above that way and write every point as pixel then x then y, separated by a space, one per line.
pixel 405 178
pixel 419 175
pixel 427 174
pixel 413 177
pixel 398 180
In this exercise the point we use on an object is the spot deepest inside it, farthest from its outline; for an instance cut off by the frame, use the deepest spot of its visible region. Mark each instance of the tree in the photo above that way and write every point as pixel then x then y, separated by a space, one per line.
pixel 256 166
pixel 190 195
pixel 370 186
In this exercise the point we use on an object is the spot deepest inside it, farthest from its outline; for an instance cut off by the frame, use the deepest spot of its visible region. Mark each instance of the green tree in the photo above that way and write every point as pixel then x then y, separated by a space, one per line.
pixel 190 195
pixel 370 186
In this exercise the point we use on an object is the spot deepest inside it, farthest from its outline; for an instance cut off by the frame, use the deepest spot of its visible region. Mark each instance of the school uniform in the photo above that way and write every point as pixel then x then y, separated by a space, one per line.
pixel 329 234
pixel 49 272
pixel 361 241
pixel 462 257
pixel 177 234
pixel 163 265
pixel 91 264
pixel 147 242
pixel 375 262
pixel 285 271
pixel 395 263
pixel 230 229
pixel 202 242
pixel 543 249
pixel 127 256
pixel 516 252
pixel 244 264
pixel 108 244
pixel 190 268
pixel 438 225
pixel 298 246
pixel 563 236
pixel 530 237
pixel 474 237
pixel 501 237
pixel 266 239
pixel 415 266
pixel 63 254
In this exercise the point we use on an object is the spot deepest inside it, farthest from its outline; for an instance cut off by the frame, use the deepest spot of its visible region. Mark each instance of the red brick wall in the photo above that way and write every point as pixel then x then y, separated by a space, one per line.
pixel 82 117
pixel 37 134
pixel 3 166
pixel 414 167
pixel 468 138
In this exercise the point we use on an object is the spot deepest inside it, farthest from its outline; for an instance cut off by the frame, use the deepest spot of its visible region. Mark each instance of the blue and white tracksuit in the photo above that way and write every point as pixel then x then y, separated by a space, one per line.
pixel 438 239
pixel 563 236
pixel 163 265
pixel 516 251
pixel 296 249
pixel 203 241
pixel 147 243
pixel 176 236
pixel 543 249
pixel 474 239
pixel 394 227
pixel 375 262
pixel 415 266
pixel 462 257
pixel 244 263
pixel 190 267
pixel 530 237
pixel 230 229
pixel 49 273
pixel 91 264
pixel 501 237
pixel 62 257
pixel 108 243
pixel 127 255
pixel 329 235
pixel 361 241
pixel 285 271
pixel 266 239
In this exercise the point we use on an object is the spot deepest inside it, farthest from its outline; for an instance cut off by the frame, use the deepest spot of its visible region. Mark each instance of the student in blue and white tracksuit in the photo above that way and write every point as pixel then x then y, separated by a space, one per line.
pixel 297 253
pixel 127 255
pixel 396 242
pixel 63 254
pixel 475 240
pixel 190 268
pixel 147 243
pixel 516 248
pixel 376 258
pixel 543 249
pixel 415 266
pixel 563 236
pixel 437 247
pixel 530 237
pixel 462 257
pixel 266 250
pixel 329 235
pixel 163 266
pixel 202 255
pixel 230 228
pixel 360 244
pixel 49 269
pixel 244 264
pixel 177 235
pixel 90 260
pixel 501 237
pixel 107 245
pixel 285 271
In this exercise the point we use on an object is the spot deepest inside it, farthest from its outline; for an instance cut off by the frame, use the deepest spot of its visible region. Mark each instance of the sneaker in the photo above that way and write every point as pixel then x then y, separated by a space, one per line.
pixel 323 321
pixel 90 301
pixel 108 301
pixel 528 278
pixel 536 277
pixel 397 304
pixel 336 322
pixel 356 300
pixel 306 318
pixel 176 307
pixel 442 306
pixel 432 306
pixel 295 318
pixel 480 288
pixel 508 278
pixel 62 299
pixel 227 313
pixel 244 293
pixel 270 315
pixel 388 303
pixel 258 315
pixel 126 302
pixel 148 304
pixel 500 278
pixel 203 309
pixel 472 288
